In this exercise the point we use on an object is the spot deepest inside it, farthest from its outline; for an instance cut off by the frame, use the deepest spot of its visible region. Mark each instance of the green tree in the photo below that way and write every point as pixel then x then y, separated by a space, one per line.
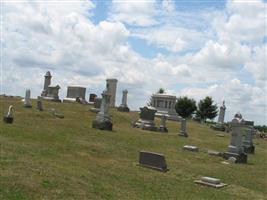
pixel 161 91
pixel 206 109
pixel 185 107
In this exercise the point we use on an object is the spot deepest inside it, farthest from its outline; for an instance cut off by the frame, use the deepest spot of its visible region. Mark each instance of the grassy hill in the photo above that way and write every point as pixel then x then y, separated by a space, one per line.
pixel 43 157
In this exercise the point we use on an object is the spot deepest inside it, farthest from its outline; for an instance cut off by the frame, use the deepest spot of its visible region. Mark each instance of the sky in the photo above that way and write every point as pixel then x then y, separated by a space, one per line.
pixel 189 48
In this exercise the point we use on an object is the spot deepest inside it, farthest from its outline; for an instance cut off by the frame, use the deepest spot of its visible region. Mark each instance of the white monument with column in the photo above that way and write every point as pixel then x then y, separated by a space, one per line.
pixel 111 86
pixel 222 113
pixel 219 126
pixel 123 107
pixel 103 120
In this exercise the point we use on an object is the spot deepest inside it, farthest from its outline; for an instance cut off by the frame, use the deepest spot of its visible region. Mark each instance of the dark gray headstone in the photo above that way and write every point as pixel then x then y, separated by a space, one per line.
pixel 92 97
pixel 147 113
pixel 152 160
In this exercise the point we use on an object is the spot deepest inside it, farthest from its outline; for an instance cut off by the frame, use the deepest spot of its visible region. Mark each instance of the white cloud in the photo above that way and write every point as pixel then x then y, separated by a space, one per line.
pixel 222 55
pixel 139 13
pixel 206 53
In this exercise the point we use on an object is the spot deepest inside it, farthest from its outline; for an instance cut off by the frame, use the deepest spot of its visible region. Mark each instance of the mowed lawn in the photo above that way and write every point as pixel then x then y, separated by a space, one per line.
pixel 43 157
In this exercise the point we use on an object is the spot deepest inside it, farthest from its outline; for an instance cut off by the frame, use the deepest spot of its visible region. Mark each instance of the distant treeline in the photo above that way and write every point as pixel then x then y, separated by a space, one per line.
pixel 261 128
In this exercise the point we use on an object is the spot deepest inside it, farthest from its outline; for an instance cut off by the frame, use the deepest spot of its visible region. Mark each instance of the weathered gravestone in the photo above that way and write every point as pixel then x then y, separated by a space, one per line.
pixel 27 101
pixel 103 120
pixel 248 139
pixel 162 127
pixel 235 149
pixel 146 121
pixel 152 160
pixel 123 107
pixel 183 131
pixel 39 104
pixel 97 105
pixel 209 181
pixel 8 118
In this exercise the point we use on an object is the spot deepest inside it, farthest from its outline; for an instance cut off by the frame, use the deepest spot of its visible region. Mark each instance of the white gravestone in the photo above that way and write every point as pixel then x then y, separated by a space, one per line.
pixel 27 101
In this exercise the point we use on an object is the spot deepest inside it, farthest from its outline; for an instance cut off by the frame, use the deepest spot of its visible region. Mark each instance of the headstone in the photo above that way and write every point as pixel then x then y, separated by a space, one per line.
pixel 103 120
pixel 146 121
pixel 97 105
pixel 92 97
pixel 235 149
pixel 39 104
pixel 53 93
pixel 8 118
pixel 209 181
pixel 74 92
pixel 162 127
pixel 111 87
pixel 123 107
pixel 152 160
pixel 248 139
pixel 27 101
pixel 183 131
pixel 190 148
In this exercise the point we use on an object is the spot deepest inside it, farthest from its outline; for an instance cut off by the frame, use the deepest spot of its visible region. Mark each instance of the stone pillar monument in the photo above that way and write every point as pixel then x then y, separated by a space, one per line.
pixel 123 107
pixel 27 101
pixel 183 131
pixel 47 82
pixel 111 87
pixel 235 149
pixel 222 113
pixel 103 120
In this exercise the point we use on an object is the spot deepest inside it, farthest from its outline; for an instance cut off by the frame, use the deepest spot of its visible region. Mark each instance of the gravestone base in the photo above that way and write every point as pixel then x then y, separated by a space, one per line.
pixel 102 124
pixel 240 158
pixel 123 109
pixel 249 149
pixel 183 134
pixel 52 99
pixel 27 106
pixel 218 127
pixel 145 125
pixel 8 120
pixel 163 130
pixel 95 110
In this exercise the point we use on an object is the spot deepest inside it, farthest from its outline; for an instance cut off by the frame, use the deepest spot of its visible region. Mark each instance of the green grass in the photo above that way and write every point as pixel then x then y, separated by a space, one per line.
pixel 43 157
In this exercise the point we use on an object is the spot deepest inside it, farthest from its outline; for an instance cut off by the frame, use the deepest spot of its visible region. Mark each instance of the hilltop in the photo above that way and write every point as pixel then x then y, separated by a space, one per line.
pixel 44 157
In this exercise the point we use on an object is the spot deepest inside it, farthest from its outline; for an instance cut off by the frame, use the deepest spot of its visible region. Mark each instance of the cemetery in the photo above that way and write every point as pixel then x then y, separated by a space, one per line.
pixel 68 152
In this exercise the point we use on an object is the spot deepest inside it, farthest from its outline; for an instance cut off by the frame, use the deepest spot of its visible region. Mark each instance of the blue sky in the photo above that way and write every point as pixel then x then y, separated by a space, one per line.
pixel 190 48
